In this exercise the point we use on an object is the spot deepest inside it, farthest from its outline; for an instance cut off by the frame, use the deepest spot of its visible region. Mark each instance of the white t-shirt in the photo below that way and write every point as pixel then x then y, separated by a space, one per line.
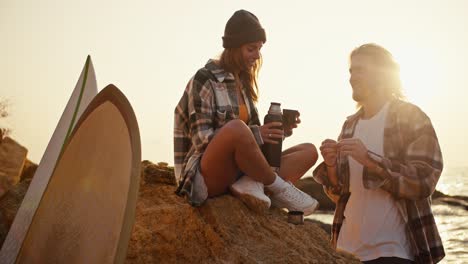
pixel 373 227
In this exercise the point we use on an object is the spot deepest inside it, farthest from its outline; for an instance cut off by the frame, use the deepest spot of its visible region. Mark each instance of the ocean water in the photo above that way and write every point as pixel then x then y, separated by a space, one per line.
pixel 452 221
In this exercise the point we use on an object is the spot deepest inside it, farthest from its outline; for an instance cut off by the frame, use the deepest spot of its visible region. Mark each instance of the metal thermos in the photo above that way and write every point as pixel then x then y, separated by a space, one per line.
pixel 272 152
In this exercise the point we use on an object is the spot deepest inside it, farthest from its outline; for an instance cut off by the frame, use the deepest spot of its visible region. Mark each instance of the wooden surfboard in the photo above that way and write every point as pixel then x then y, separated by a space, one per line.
pixel 85 90
pixel 87 211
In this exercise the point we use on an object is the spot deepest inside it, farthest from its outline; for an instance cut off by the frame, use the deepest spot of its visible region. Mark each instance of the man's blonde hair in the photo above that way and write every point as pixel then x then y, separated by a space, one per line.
pixel 387 66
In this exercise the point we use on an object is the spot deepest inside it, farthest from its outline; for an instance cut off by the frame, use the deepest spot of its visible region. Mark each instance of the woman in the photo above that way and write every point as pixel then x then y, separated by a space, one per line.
pixel 217 132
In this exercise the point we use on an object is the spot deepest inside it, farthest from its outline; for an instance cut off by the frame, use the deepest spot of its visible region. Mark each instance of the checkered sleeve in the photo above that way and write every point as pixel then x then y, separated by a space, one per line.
pixel 320 175
pixel 416 177
pixel 200 109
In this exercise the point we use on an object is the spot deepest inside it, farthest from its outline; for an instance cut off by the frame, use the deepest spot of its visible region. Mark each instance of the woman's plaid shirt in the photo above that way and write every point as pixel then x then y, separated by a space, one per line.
pixel 209 101
pixel 412 165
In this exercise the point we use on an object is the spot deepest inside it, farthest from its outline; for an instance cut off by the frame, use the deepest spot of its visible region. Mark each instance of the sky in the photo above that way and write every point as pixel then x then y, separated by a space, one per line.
pixel 150 49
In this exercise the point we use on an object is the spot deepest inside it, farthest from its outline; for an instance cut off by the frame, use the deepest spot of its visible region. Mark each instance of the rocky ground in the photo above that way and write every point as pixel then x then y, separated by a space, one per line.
pixel 224 230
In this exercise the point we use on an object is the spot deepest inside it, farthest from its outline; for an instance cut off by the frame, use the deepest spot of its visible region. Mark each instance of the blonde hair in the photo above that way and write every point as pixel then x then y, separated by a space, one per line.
pixel 232 61
pixel 388 67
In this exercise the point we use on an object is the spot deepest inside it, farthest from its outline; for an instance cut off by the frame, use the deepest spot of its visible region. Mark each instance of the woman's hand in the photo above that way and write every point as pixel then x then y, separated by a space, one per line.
pixel 288 128
pixel 329 152
pixel 272 133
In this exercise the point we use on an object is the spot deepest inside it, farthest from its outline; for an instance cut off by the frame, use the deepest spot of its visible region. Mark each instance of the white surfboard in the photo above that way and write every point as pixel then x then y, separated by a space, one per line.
pixel 85 90
pixel 87 211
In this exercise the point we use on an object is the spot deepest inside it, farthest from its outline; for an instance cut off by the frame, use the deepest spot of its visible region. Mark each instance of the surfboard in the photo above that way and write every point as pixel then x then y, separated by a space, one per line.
pixel 84 91
pixel 87 211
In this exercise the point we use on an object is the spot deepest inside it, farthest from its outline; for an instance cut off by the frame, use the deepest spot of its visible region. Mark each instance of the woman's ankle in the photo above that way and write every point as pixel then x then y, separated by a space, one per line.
pixel 277 185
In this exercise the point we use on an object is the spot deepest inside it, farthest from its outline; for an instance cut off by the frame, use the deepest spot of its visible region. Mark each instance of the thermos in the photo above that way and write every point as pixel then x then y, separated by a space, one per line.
pixel 272 152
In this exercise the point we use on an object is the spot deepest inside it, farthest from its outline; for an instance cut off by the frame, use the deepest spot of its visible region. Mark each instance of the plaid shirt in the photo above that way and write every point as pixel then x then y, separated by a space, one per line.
pixel 411 167
pixel 209 101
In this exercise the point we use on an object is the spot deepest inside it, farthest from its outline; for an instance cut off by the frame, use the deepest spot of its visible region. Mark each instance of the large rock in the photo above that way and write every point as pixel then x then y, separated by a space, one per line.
pixel 168 230
pixel 11 201
pixel 29 169
pixel 156 173
pixel 9 205
pixel 12 158
pixel 455 200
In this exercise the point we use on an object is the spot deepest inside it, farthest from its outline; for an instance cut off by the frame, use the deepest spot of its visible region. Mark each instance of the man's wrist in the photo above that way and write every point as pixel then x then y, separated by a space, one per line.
pixel 372 165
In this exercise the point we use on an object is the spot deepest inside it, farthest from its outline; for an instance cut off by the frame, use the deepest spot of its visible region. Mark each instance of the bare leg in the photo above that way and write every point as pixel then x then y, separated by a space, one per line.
pixel 232 149
pixel 297 160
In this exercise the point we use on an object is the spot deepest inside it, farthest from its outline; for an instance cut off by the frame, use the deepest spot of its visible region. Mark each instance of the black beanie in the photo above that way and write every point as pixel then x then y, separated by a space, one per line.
pixel 243 27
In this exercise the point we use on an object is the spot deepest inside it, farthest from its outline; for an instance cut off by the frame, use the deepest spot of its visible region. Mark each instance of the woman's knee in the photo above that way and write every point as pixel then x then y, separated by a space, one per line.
pixel 238 131
pixel 311 152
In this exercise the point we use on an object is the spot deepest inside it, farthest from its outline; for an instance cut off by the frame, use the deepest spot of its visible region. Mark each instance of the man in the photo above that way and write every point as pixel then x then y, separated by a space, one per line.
pixel 383 169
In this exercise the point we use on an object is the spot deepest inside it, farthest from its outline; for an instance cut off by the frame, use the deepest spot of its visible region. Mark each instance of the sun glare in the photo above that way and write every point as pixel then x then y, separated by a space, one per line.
pixel 420 75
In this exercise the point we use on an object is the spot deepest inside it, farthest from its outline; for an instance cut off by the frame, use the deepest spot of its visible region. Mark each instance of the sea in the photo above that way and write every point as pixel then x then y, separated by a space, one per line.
pixel 452 221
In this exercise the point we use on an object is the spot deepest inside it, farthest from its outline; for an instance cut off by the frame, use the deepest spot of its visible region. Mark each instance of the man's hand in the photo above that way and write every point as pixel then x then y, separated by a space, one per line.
pixel 329 151
pixel 357 150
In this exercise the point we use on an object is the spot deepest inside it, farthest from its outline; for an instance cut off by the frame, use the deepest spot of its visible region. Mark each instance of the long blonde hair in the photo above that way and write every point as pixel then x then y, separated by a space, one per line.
pixel 390 70
pixel 232 61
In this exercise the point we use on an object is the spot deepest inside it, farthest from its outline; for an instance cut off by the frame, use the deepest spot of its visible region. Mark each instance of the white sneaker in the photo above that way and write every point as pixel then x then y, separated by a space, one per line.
pixel 294 200
pixel 251 193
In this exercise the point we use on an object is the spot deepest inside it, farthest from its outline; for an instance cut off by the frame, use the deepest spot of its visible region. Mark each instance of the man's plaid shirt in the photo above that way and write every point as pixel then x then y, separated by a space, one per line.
pixel 412 165
pixel 209 101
